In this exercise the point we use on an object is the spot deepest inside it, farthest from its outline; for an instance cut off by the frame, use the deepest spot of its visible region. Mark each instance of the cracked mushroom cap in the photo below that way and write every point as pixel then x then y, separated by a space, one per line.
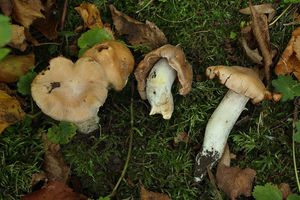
pixel 70 92
pixel 241 80
pixel 116 60
pixel 176 59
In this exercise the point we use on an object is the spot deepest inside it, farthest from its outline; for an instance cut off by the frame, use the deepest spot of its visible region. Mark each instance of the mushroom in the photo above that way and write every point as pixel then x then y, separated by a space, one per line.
pixel 74 92
pixel 161 66
pixel 243 84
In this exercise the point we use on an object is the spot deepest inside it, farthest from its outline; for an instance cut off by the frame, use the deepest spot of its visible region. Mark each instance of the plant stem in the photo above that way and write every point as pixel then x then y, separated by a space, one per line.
pixel 114 191
pixel 296 103
pixel 277 18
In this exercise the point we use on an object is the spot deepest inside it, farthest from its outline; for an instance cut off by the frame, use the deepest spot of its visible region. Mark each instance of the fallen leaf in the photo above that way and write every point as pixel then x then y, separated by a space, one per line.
pixel 90 15
pixel 26 11
pixel 10 110
pixel 54 164
pixel 48 25
pixel 137 33
pixel 265 8
pixel 37 178
pixel 290 59
pixel 234 181
pixel 12 67
pixel 285 190
pixel 18 39
pixel 148 195
pixel 6 7
pixel 54 190
pixel 181 137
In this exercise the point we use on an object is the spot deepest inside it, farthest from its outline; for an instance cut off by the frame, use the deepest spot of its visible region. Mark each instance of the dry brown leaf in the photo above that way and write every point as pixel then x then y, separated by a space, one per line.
pixel 26 11
pixel 148 195
pixel 234 181
pixel 181 137
pixel 265 8
pixel 12 67
pixel 10 110
pixel 6 7
pixel 38 177
pixel 137 33
pixel 48 25
pixel 54 190
pixel 54 164
pixel 18 38
pixel 290 59
pixel 90 15
pixel 285 190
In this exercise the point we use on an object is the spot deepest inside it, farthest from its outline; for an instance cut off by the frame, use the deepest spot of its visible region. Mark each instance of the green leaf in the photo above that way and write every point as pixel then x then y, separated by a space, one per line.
pixel 287 86
pixel 63 133
pixel 92 37
pixel 267 192
pixel 233 35
pixel 293 197
pixel 24 83
pixel 5 30
pixel 297 134
pixel 291 1
pixel 104 198
pixel 4 52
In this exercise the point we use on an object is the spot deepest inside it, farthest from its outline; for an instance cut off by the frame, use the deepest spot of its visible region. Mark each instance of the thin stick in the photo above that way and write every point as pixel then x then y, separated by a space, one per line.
pixel 277 18
pixel 114 191
pixel 296 103
pixel 64 14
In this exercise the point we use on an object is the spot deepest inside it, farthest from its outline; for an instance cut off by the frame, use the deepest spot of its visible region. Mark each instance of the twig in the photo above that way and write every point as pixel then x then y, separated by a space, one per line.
pixel 114 191
pixel 277 18
pixel 295 118
pixel 64 14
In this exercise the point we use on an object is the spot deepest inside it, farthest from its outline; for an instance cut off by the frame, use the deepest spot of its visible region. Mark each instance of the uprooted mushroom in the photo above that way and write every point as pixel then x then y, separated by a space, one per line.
pixel 155 75
pixel 243 84
pixel 74 92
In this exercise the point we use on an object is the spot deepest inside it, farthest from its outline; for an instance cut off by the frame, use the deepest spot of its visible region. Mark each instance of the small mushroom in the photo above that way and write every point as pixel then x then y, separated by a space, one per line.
pixel 71 92
pixel 156 73
pixel 116 60
pixel 243 84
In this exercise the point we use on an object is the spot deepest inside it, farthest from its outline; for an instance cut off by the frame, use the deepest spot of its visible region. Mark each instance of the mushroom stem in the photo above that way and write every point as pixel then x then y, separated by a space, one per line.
pixel 158 88
pixel 88 125
pixel 217 130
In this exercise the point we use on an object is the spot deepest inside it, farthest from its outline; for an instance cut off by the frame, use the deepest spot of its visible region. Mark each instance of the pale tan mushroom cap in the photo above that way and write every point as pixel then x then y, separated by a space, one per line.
pixel 116 59
pixel 70 92
pixel 241 80
pixel 176 59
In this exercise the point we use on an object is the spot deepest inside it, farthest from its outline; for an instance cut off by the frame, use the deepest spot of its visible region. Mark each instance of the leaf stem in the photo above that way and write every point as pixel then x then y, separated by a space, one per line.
pixel 296 103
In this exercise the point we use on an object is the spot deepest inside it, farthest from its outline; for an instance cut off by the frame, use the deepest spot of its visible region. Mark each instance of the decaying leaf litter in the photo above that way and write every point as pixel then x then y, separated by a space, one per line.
pixel 105 143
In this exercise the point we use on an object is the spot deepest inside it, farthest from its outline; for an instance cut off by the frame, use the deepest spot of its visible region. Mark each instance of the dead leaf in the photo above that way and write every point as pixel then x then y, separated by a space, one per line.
pixel 18 39
pixel 285 190
pixel 54 164
pixel 26 11
pixel 181 137
pixel 54 190
pixel 148 195
pixel 90 15
pixel 137 33
pixel 10 110
pixel 38 177
pixel 6 7
pixel 48 25
pixel 290 59
pixel 12 67
pixel 265 8
pixel 234 181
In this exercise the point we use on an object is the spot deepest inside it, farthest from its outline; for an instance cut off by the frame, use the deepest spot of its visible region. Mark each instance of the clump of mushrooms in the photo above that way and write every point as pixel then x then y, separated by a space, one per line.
pixel 243 84
pixel 155 75
pixel 74 92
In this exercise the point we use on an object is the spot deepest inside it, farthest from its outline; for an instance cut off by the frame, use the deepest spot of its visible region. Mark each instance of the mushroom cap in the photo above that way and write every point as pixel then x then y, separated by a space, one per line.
pixel 176 59
pixel 116 60
pixel 70 92
pixel 241 80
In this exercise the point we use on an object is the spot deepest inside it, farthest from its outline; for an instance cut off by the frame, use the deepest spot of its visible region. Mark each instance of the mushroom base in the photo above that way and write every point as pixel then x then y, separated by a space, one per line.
pixel 88 125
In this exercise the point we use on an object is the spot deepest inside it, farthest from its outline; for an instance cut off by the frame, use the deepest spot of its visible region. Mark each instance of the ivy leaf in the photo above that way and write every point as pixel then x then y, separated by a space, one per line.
pixel 4 52
pixel 24 83
pixel 63 133
pixel 293 197
pixel 5 31
pixel 267 192
pixel 287 86
pixel 92 37
pixel 297 134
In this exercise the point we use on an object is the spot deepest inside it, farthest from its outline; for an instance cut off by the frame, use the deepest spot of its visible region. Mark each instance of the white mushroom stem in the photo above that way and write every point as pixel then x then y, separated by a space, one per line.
pixel 158 88
pixel 217 130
